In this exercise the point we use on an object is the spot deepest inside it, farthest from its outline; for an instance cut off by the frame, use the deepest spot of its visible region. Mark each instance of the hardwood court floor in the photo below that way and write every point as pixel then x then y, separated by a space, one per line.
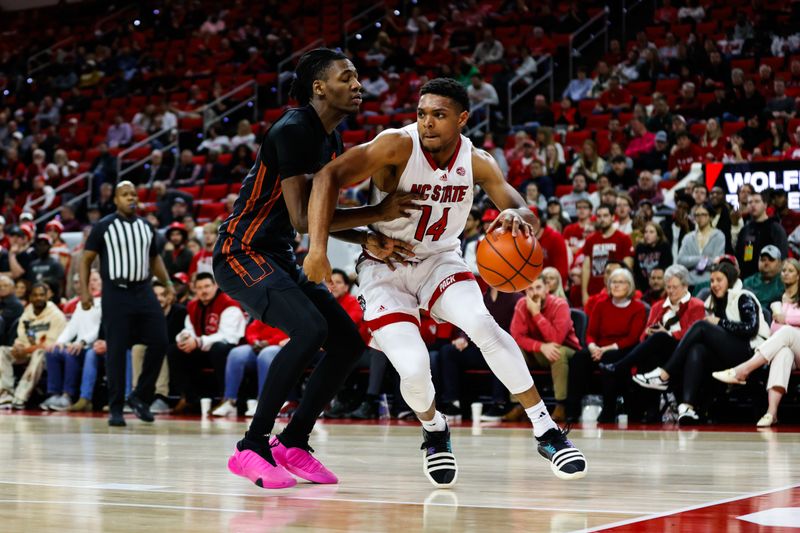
pixel 71 473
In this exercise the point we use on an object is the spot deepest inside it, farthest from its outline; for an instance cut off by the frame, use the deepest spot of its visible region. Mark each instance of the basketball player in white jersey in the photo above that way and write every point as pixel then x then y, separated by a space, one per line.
pixel 431 158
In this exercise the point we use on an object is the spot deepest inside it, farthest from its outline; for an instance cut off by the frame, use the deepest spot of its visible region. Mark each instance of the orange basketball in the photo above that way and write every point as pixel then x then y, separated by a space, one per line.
pixel 507 263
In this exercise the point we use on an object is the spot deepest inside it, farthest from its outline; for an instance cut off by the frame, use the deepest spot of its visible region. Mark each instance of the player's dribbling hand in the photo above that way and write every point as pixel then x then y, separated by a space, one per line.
pixel 510 220
pixel 399 204
pixel 317 267
pixel 387 249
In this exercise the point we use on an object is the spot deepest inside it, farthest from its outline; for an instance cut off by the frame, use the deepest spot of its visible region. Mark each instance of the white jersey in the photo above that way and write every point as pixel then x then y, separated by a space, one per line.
pixel 447 199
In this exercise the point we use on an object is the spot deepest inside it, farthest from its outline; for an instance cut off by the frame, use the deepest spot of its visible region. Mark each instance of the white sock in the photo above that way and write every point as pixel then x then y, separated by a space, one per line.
pixel 437 423
pixel 542 423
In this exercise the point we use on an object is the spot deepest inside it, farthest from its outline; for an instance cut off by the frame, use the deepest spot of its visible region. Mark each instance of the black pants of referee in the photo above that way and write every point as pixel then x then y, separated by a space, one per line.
pixel 132 316
pixel 278 293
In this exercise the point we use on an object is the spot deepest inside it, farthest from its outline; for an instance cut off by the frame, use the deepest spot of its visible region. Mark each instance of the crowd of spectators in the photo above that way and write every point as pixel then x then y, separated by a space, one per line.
pixel 636 244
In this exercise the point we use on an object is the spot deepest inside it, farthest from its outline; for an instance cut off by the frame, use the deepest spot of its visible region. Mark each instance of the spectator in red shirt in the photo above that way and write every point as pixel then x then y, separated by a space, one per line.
pixel 646 188
pixel 543 329
pixel 684 154
pixel 615 99
pixel 553 245
pixel 576 233
pixel 614 330
pixel 519 168
pixel 793 152
pixel 540 44
pixel 601 246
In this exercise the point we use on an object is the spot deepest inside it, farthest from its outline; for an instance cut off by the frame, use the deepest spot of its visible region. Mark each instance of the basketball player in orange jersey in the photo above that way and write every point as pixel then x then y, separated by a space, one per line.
pixel 433 159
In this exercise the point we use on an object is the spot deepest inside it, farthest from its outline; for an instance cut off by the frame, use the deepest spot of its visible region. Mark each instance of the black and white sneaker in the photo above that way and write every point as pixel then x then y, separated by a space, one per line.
pixel 651 380
pixel 438 461
pixel 687 416
pixel 566 461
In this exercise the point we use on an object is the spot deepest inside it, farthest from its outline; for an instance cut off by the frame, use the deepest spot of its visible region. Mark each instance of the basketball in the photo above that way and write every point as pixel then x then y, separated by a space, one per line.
pixel 507 263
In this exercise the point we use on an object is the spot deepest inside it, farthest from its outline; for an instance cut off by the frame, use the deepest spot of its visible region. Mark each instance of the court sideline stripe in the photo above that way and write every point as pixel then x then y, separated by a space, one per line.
pixel 690 508
pixel 121 504
pixel 333 499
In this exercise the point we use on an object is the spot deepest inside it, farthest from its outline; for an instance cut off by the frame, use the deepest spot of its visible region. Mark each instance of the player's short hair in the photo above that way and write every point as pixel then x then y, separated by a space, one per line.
pixel 204 275
pixel 449 88
pixel 313 65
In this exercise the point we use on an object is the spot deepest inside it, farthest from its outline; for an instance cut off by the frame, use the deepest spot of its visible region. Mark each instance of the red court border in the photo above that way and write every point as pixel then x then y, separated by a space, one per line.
pixel 717 516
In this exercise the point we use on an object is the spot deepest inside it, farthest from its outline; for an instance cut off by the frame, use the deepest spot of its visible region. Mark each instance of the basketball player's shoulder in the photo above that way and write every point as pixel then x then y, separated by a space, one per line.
pixel 396 143
pixel 484 164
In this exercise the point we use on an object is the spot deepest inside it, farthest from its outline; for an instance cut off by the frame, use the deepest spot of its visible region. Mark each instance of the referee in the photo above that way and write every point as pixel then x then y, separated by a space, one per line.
pixel 129 258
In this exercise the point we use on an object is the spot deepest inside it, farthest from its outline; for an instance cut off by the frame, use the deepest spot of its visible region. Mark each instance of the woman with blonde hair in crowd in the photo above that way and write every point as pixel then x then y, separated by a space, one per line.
pixel 713 141
pixel 781 351
pixel 588 161
pixel 553 282
pixel 545 136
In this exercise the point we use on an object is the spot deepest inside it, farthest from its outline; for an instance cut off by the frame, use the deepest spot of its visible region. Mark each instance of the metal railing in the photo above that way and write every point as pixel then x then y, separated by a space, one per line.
pixel 122 172
pixel 484 123
pixel 44 58
pixel 595 27
pixel 283 78
pixel 363 15
pixel 88 176
pixel 628 7
pixel 251 101
pixel 547 75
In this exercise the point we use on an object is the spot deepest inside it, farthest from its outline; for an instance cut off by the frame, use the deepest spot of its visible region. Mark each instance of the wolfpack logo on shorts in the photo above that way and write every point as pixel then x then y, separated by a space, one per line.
pixel 447 198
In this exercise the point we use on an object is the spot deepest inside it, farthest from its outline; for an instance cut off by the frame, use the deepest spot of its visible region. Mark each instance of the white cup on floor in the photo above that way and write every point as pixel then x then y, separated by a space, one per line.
pixel 477 411
pixel 205 406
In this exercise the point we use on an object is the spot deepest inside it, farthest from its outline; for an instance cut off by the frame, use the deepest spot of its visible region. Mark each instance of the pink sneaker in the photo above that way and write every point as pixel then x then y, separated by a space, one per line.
pixel 301 463
pixel 249 464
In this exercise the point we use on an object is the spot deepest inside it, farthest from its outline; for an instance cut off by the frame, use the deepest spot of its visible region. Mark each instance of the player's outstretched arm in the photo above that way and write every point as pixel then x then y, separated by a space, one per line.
pixel 390 148
pixel 515 215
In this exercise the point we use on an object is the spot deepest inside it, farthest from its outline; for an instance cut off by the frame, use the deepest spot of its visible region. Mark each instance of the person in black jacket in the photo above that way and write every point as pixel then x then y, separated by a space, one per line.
pixel 654 252
pixel 177 256
pixel 721 215
pixel 10 309
pixel 733 328
pixel 758 233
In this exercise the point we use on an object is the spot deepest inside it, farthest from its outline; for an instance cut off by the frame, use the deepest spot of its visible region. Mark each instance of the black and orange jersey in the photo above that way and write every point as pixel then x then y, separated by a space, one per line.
pixel 296 144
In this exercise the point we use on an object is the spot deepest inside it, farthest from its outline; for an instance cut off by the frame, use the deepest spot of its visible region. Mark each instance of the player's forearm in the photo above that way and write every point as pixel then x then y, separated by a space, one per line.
pixel 353 236
pixel 354 217
pixel 321 208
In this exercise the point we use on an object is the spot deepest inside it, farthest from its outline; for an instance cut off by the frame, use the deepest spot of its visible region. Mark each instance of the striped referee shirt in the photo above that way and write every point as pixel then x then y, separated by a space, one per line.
pixel 125 247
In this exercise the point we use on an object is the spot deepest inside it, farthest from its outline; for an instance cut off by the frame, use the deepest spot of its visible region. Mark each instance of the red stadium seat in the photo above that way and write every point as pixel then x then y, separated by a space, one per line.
pixel 271 115
pixel 639 88
pixel 354 136
pixel 748 65
pixel 586 106
pixel 193 190
pixel 215 192
pixel 598 122
pixel 190 123
pixel 667 86
pixel 777 63
pixel 575 139
pixel 210 211
pixel 383 120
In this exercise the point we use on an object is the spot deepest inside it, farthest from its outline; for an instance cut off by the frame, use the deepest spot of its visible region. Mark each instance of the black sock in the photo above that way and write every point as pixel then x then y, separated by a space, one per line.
pixel 293 441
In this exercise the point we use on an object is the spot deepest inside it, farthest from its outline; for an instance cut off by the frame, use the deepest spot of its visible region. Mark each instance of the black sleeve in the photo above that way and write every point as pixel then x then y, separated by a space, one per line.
pixel 749 314
pixel 296 155
pixel 780 239
pixel 665 260
pixel 95 239
pixel 153 241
